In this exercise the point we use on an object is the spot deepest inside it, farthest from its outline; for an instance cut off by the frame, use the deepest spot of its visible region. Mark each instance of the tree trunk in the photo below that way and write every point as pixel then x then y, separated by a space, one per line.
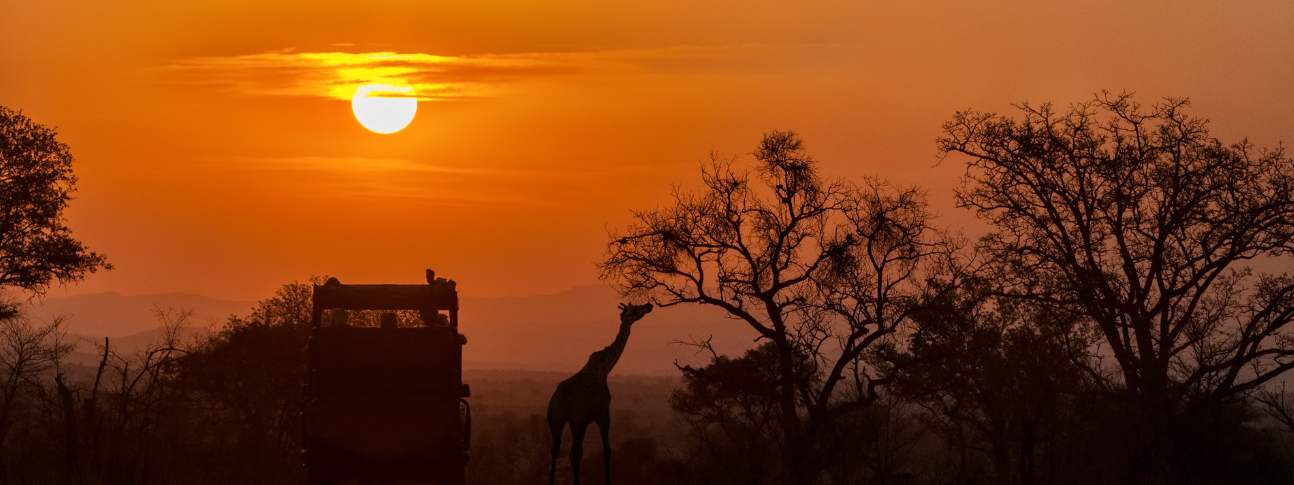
pixel 1028 443
pixel 792 451
pixel 68 402
pixel 1002 462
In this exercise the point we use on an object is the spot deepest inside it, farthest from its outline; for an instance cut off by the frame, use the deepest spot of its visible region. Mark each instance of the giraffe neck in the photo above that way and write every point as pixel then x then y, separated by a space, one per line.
pixel 602 361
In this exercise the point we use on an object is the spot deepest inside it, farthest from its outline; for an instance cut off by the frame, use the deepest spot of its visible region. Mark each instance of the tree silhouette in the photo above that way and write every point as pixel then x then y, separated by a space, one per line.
pixel 822 269
pixel 36 183
pixel 250 375
pixel 1151 232
pixel 732 406
pixel 1147 227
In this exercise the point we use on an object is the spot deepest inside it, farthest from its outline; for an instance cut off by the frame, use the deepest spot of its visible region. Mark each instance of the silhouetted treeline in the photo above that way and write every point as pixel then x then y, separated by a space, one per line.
pixel 1120 323
pixel 987 398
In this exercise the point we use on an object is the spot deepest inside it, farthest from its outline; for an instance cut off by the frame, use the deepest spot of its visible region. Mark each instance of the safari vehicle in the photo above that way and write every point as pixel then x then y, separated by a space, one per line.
pixel 386 404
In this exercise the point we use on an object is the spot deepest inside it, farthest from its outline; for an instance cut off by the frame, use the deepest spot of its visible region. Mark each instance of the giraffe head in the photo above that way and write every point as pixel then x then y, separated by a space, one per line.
pixel 632 313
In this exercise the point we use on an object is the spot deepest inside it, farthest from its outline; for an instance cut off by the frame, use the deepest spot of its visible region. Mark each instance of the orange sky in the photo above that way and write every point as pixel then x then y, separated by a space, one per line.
pixel 218 154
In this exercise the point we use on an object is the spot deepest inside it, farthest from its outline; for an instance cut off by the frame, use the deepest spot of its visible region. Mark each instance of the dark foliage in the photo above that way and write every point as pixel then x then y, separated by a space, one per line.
pixel 997 380
pixel 731 408
pixel 245 386
pixel 36 183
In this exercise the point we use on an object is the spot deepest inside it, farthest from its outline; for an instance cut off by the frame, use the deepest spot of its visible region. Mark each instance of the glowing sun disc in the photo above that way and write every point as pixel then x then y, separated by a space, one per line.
pixel 381 114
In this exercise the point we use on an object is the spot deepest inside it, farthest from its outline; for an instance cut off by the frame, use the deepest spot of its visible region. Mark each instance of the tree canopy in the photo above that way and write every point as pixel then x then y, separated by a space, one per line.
pixel 36 184
pixel 1151 230
pixel 825 270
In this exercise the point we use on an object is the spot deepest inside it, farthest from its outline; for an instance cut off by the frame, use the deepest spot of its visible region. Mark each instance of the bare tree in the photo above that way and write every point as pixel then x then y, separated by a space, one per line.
pixel 1278 404
pixel 28 350
pixel 1140 222
pixel 823 269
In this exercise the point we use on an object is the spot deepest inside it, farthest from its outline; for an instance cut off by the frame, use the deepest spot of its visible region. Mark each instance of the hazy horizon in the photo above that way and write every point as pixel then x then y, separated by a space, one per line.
pixel 554 332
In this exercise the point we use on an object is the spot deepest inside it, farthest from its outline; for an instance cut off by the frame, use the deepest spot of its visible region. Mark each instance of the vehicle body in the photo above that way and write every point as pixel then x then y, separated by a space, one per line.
pixel 386 404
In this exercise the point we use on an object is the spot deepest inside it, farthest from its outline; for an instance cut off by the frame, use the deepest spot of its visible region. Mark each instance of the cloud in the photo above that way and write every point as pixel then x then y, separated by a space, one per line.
pixel 337 74
pixel 387 178
pixel 341 164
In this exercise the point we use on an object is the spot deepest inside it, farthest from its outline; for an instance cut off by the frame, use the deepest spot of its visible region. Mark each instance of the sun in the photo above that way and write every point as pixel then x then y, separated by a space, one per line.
pixel 383 114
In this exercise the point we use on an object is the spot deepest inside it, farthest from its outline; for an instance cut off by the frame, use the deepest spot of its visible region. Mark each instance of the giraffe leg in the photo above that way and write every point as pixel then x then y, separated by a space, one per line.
pixel 577 448
pixel 604 426
pixel 556 429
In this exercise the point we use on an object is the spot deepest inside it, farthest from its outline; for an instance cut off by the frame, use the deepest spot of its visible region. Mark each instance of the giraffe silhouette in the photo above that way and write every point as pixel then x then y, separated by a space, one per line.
pixel 585 398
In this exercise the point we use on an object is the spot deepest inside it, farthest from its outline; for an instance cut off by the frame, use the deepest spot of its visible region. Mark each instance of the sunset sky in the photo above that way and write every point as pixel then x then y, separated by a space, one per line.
pixel 218 153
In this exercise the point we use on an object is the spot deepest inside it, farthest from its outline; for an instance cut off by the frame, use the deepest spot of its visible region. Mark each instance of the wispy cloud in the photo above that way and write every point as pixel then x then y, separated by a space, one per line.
pixel 342 164
pixel 389 178
pixel 338 74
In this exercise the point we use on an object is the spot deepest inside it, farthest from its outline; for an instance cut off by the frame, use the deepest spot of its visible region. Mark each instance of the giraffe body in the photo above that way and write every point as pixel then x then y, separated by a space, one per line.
pixel 585 399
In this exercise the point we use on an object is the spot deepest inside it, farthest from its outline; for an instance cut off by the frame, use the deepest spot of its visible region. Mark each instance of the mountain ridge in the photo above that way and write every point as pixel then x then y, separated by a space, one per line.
pixel 553 332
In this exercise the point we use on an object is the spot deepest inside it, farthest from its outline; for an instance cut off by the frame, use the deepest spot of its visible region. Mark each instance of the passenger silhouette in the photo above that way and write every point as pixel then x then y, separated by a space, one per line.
pixel 433 319
pixel 336 317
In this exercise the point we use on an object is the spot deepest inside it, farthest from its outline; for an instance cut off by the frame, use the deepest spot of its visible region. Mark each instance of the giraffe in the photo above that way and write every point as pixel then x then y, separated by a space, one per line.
pixel 585 398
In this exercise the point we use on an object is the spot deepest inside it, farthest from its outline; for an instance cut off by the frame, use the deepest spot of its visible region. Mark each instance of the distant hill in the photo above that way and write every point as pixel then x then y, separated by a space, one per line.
pixel 111 314
pixel 89 347
pixel 558 332
pixel 552 333
pixel 526 393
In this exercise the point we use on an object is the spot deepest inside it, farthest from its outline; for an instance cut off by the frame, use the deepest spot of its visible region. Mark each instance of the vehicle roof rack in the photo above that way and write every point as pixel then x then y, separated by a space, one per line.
pixel 437 295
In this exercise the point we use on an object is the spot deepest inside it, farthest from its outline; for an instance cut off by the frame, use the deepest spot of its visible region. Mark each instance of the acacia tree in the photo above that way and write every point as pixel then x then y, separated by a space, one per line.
pixel 1138 221
pixel 823 269
pixel 36 183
